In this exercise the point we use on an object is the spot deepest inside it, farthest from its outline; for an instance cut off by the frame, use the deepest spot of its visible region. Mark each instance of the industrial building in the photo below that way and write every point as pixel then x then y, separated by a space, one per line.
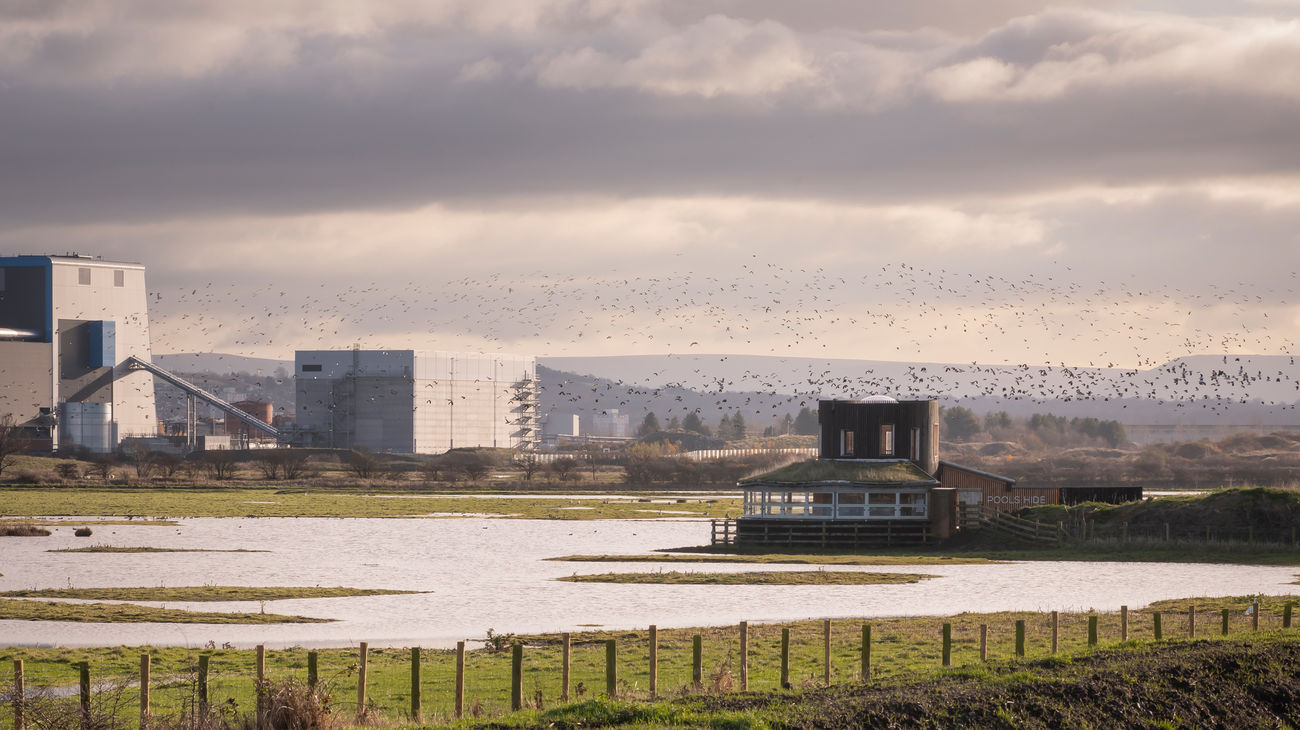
pixel 70 327
pixel 415 401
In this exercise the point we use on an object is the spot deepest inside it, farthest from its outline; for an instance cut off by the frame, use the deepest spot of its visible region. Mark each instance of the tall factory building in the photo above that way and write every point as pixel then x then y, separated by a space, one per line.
pixel 67 326
pixel 415 401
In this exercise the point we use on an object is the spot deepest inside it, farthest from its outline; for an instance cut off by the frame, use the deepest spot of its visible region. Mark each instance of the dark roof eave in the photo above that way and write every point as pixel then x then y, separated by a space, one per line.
pixel 839 483
pixel 990 475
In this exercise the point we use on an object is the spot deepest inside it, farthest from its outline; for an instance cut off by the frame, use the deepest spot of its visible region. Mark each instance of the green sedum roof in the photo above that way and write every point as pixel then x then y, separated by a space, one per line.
pixel 845 471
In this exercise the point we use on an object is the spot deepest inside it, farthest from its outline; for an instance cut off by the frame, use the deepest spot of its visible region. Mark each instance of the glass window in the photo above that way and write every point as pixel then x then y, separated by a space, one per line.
pixel 846 442
pixel 119 277
pixel 852 498
pixel 887 440
pixel 882 498
pixel 83 277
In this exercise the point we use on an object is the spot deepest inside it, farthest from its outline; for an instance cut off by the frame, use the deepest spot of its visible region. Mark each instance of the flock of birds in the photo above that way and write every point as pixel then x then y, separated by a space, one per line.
pixel 1134 335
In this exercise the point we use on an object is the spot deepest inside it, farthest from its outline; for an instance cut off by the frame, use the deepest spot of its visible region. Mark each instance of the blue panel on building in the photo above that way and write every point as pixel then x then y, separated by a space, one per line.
pixel 103 344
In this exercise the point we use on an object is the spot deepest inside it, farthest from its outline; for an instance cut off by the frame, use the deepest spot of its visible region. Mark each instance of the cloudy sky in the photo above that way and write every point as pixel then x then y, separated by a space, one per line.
pixel 994 181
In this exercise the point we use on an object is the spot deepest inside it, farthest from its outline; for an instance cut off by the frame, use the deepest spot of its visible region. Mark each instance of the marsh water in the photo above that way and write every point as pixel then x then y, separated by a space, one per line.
pixel 481 573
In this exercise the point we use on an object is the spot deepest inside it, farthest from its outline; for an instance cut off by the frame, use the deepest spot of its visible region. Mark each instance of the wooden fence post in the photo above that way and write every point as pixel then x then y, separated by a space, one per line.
pixel 826 658
pixel 611 669
pixel 1225 622
pixel 20 695
pixel 866 652
pixel 1254 615
pixel 1155 625
pixel 785 658
pixel 947 645
pixel 517 677
pixel 697 661
pixel 203 684
pixel 744 656
pixel 84 670
pixel 416 711
pixel 1020 638
pixel 361 681
pixel 984 642
pixel 654 661
pixel 459 699
pixel 1092 630
pixel 1123 623
pixel 259 669
pixel 313 669
pixel 1056 627
pixel 144 691
pixel 1191 621
pixel 1286 616
pixel 566 653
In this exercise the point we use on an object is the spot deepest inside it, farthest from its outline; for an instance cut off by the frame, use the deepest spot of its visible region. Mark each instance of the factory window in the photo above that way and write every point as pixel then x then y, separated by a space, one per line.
pixel 846 442
pixel 2 279
pixel 311 368
pixel 887 439
pixel 119 277
pixel 83 277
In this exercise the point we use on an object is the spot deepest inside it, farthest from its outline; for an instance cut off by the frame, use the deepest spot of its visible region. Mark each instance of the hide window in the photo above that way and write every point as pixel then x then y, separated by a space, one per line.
pixel 887 440
pixel 846 442
pixel 311 368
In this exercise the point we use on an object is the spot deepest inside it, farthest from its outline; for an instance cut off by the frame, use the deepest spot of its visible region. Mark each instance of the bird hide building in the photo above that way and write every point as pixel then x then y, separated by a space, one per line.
pixel 415 401
pixel 877 480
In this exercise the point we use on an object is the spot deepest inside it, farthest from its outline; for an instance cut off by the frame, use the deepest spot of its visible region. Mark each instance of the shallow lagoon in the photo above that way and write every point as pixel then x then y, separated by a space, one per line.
pixel 482 573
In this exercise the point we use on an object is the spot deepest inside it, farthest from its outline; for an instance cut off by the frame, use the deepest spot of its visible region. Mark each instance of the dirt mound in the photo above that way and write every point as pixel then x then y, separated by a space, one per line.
pixel 1226 684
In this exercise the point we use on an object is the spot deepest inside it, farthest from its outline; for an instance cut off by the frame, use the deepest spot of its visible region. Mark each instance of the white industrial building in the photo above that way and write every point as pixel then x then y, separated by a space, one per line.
pixel 415 401
pixel 69 325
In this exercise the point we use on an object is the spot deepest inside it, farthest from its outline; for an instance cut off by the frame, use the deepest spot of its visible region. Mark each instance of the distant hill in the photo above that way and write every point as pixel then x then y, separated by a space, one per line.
pixel 220 363
pixel 1203 390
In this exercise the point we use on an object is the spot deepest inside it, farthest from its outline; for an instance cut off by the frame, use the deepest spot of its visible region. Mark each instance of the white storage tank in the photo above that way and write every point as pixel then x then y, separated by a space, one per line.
pixel 89 425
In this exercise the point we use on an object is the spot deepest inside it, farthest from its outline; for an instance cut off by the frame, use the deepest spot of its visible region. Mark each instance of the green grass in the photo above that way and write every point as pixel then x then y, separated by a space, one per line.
pixel 902 648
pixel 193 594
pixel 253 502
pixel 756 578
pixel 783 558
pixel 17 609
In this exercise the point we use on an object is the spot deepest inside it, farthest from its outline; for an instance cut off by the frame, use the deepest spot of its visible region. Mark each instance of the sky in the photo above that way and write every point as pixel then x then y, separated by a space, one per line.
pixel 1008 181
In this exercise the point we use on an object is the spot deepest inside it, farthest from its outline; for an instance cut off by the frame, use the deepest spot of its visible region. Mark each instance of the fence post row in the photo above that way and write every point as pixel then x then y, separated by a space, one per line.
pixel 654 661
pixel 260 669
pixel 20 694
pixel 785 658
pixel 566 648
pixel 611 669
pixel 144 691
pixel 744 656
pixel 361 681
pixel 611 665
pixel 460 679
pixel 415 684
pixel 84 686
pixel 697 661
pixel 517 677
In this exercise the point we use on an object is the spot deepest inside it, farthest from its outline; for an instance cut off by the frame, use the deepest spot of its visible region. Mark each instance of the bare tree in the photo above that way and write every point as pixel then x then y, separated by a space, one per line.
pixel 528 463
pixel 102 466
pixel 293 464
pixel 563 467
pixel 221 464
pixel 9 442
pixel 166 463
pixel 362 463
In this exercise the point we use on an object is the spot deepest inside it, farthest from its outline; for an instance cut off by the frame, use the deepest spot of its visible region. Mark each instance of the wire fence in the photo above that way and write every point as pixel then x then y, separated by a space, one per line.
pixel 216 689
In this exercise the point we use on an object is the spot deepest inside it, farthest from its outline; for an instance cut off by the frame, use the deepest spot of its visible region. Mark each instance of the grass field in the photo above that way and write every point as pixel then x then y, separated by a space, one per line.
pixel 781 558
pixel 756 578
pixel 197 594
pixel 17 609
pixel 251 502
pixel 901 648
